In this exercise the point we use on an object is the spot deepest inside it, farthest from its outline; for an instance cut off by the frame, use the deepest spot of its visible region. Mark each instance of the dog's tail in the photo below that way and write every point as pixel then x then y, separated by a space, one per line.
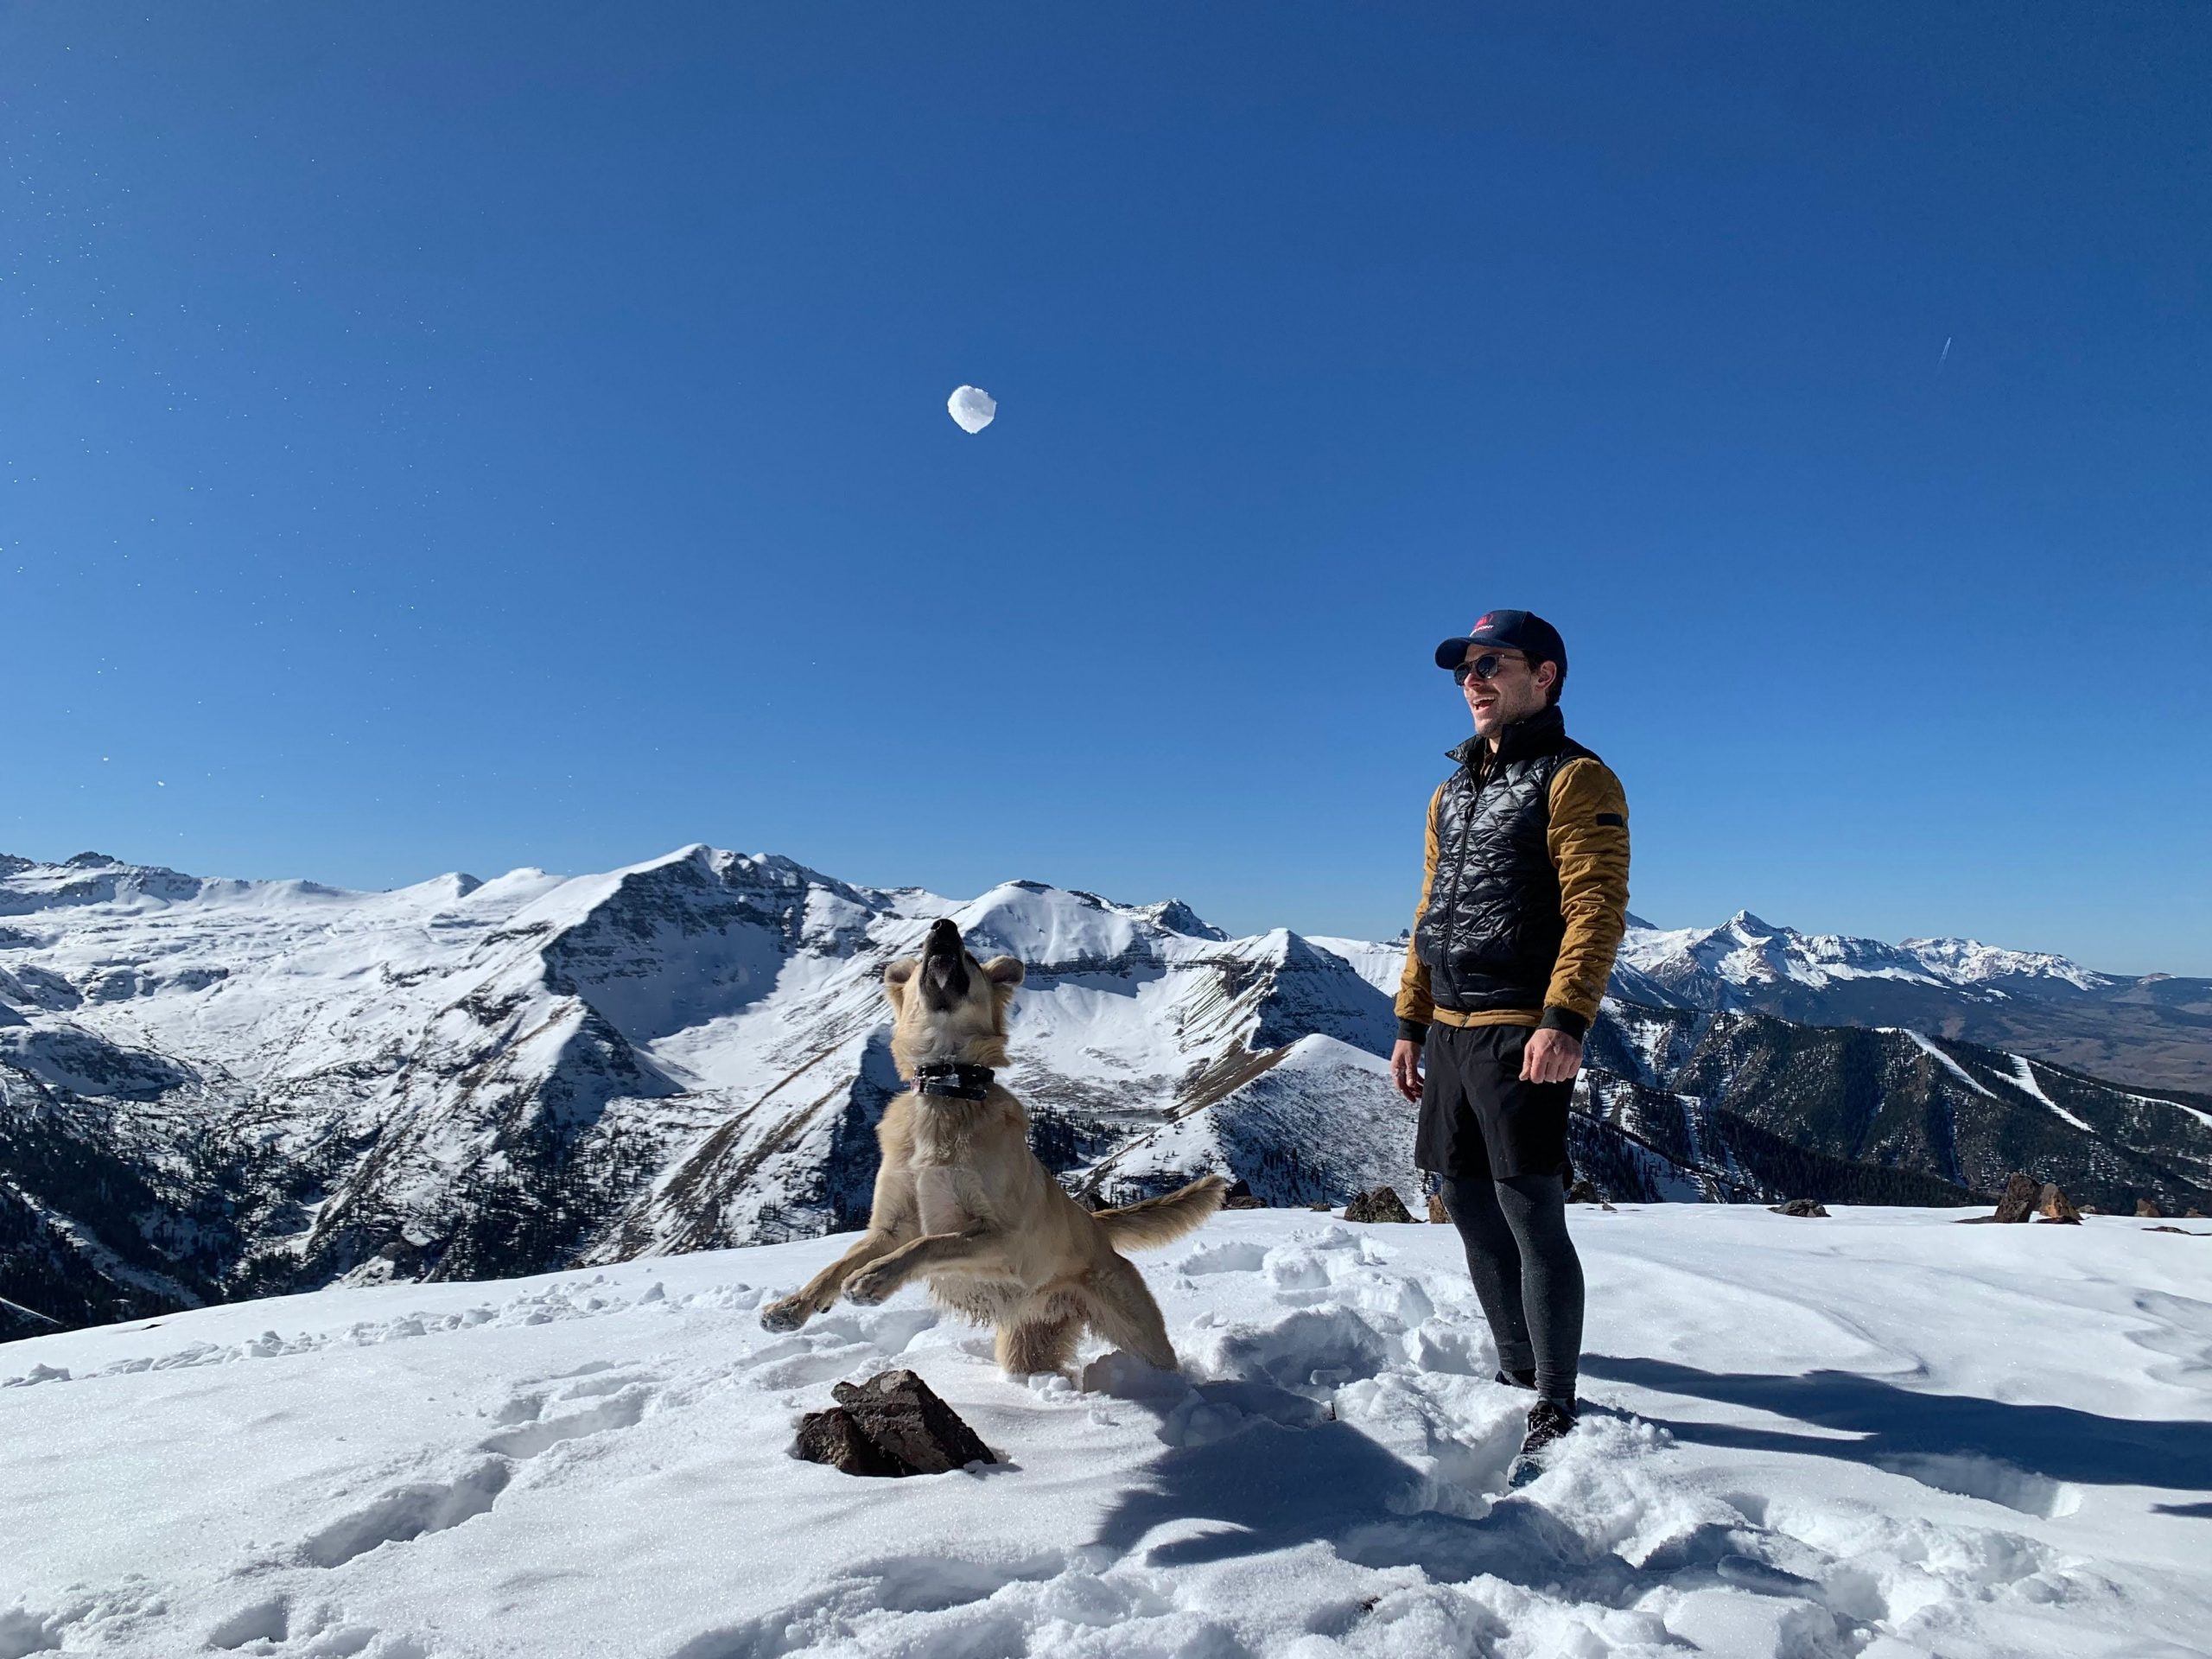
pixel 1166 1218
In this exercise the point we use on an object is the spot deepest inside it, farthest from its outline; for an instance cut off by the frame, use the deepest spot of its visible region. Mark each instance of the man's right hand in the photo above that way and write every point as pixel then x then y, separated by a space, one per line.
pixel 1405 1069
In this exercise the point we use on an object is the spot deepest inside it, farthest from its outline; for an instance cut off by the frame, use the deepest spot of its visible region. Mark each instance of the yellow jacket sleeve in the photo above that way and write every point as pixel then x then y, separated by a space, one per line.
pixel 1589 848
pixel 1414 1010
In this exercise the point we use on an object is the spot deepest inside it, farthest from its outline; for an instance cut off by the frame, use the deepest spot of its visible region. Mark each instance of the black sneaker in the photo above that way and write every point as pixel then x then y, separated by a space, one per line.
pixel 1549 1422
pixel 1519 1379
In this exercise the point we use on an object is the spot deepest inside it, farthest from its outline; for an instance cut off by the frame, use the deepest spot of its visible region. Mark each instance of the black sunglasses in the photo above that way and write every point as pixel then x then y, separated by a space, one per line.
pixel 1485 667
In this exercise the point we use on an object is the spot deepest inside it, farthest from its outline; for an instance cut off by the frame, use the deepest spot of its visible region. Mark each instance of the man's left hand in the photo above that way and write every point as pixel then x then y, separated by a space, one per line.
pixel 1551 1057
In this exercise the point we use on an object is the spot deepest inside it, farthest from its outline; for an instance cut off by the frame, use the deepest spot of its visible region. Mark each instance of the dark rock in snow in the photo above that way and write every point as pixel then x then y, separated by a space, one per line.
pixel 2052 1205
pixel 1384 1204
pixel 834 1437
pixel 1585 1190
pixel 1241 1196
pixel 2148 1207
pixel 1437 1212
pixel 892 1424
pixel 2021 1194
pixel 1806 1207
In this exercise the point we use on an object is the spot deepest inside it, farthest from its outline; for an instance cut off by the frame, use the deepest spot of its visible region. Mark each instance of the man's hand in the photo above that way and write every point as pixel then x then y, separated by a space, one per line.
pixel 1405 1069
pixel 1550 1057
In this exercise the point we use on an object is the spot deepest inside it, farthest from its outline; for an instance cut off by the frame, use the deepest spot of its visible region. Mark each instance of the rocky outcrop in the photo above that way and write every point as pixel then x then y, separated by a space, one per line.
pixel 2021 1194
pixel 2053 1204
pixel 892 1425
pixel 1382 1204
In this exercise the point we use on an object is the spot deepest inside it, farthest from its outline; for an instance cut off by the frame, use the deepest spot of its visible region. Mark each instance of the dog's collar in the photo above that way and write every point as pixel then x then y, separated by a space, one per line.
pixel 953 1079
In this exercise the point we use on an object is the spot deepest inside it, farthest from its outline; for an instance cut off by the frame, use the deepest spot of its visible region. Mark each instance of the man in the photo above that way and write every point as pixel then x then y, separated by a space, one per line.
pixel 1523 899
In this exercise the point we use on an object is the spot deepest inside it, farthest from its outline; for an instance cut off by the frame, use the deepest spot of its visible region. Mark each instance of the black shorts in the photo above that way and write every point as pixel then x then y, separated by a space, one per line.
pixel 1477 1118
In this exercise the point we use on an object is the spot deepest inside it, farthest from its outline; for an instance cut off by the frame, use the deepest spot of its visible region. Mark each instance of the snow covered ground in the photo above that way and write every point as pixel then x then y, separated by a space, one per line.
pixel 1879 1434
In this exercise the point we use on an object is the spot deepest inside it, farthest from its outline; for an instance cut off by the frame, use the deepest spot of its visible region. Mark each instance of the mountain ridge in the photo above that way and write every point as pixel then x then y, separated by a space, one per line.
pixel 211 1089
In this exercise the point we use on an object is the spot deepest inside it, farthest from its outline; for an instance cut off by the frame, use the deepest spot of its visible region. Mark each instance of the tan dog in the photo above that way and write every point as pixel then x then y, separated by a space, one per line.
pixel 961 1201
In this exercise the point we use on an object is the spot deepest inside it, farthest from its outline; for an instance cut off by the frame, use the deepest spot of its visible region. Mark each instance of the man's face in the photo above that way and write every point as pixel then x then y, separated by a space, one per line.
pixel 1514 692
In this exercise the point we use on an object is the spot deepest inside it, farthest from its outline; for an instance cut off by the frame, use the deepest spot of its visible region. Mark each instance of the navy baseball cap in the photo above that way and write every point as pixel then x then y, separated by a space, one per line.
pixel 1522 631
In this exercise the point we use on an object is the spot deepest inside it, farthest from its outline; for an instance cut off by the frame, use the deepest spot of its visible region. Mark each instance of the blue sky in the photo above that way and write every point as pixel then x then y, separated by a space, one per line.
pixel 456 437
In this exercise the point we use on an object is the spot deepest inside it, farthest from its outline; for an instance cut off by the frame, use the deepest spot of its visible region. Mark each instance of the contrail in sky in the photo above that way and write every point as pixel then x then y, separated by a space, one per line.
pixel 1946 357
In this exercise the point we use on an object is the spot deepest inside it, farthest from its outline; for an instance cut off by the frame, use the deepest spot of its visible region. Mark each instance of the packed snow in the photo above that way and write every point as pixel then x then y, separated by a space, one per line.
pixel 971 408
pixel 1879 1434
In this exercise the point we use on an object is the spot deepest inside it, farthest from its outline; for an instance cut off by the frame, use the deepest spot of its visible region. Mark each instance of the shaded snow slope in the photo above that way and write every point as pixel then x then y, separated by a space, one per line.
pixel 1876 1436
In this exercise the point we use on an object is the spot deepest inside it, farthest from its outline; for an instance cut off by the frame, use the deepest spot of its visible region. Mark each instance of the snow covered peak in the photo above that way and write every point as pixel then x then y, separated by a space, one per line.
pixel 1971 962
pixel 26 886
pixel 1056 928
pixel 1179 917
pixel 1707 967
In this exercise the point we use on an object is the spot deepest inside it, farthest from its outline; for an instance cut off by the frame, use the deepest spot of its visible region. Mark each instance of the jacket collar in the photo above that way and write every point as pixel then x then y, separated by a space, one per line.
pixel 1539 733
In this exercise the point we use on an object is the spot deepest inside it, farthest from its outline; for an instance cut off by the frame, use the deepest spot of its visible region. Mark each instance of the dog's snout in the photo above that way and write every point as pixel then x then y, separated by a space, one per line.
pixel 945 965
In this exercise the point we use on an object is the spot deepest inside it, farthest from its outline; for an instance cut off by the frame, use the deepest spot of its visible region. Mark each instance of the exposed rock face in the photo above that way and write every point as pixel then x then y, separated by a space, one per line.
pixel 1384 1204
pixel 2052 1205
pixel 2022 1193
pixel 893 1424
pixel 1805 1207
pixel 1241 1196
pixel 1585 1190
pixel 1437 1212
pixel 2148 1207
pixel 835 1437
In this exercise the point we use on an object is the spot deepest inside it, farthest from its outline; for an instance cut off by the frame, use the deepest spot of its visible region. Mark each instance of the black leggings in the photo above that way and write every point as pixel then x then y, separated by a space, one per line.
pixel 1526 1273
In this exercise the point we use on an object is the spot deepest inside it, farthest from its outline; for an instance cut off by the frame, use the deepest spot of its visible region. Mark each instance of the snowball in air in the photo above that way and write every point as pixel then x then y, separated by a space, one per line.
pixel 972 407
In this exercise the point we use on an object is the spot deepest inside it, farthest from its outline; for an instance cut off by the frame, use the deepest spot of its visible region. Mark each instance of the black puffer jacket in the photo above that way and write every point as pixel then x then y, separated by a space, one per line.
pixel 1492 929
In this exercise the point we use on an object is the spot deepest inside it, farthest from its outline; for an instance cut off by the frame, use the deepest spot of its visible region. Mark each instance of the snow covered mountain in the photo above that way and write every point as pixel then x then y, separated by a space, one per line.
pixel 213 1089
pixel 1707 967
pixel 2155 1031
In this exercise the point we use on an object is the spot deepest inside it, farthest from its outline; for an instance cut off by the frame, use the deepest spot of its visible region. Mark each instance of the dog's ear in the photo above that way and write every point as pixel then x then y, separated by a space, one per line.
pixel 1004 972
pixel 896 973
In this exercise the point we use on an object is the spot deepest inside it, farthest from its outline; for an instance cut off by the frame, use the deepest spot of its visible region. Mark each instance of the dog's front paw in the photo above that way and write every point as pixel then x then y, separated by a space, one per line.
pixel 786 1315
pixel 870 1287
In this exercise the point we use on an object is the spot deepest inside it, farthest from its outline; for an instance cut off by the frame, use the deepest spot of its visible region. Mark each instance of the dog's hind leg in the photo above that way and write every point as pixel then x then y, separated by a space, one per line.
pixel 1121 1311
pixel 1033 1347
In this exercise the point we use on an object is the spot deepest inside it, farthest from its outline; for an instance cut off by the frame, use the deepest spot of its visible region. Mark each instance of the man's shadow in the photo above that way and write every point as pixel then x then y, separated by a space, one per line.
pixel 1936 1437
pixel 1283 1473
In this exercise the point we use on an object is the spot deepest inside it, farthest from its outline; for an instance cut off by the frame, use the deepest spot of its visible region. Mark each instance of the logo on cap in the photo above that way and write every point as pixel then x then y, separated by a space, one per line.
pixel 1481 622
